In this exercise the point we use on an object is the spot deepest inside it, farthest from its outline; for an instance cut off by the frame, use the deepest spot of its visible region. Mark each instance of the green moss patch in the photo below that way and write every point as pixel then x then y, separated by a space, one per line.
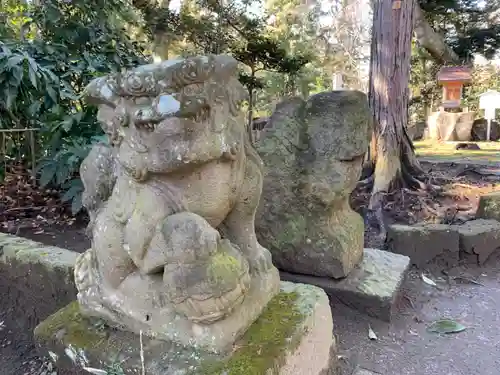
pixel 293 232
pixel 73 327
pixel 224 269
pixel 267 342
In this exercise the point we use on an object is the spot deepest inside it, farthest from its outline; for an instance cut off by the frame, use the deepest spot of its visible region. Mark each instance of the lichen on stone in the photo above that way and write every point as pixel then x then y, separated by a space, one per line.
pixel 224 269
pixel 265 345
pixel 294 231
pixel 68 322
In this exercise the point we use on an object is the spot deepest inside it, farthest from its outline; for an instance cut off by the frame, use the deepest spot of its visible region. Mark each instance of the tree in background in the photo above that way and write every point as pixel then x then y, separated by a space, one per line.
pixel 227 27
pixel 351 41
pixel 331 34
pixel 468 30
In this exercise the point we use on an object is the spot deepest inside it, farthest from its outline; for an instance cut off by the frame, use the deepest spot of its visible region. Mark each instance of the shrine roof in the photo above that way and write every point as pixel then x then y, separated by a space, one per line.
pixel 454 74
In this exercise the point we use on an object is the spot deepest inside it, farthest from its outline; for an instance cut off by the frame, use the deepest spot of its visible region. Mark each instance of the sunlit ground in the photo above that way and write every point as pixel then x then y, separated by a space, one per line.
pixel 445 152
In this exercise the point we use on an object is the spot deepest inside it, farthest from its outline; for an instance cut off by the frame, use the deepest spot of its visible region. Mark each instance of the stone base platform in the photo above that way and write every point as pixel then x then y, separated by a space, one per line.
pixel 372 288
pixel 294 335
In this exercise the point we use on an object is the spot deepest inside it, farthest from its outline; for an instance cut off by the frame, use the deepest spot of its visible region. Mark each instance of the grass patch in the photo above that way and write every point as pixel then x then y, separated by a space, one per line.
pixel 445 152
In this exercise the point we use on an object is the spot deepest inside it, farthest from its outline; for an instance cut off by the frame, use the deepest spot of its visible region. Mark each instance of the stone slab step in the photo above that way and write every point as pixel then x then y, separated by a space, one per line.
pixel 373 287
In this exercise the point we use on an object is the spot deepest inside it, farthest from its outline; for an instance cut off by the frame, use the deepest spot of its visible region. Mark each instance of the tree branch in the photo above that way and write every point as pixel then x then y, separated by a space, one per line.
pixel 431 40
pixel 428 38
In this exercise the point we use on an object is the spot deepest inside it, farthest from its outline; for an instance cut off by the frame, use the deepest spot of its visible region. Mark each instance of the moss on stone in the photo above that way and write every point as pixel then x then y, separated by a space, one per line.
pixel 489 206
pixel 293 232
pixel 224 268
pixel 69 323
pixel 265 345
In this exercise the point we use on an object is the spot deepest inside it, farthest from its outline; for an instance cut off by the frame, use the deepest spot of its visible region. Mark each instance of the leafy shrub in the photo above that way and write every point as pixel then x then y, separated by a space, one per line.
pixel 42 78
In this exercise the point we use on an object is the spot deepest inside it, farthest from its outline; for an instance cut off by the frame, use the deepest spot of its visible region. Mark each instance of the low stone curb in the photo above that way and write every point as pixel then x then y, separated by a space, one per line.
pixel 472 242
pixel 35 279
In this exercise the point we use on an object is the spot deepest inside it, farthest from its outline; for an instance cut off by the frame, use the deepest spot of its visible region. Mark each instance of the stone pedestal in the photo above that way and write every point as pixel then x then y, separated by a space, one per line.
pixel 372 287
pixel 294 335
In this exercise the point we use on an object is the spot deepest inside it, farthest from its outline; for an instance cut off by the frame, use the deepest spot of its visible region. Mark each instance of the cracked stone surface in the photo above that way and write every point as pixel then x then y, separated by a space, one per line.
pixel 478 239
pixel 424 243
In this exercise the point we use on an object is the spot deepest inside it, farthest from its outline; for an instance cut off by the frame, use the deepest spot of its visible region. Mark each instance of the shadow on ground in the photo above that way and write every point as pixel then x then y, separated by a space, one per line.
pixel 406 347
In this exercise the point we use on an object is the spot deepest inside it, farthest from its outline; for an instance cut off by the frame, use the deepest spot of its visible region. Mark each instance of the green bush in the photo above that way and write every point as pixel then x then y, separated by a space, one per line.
pixel 42 78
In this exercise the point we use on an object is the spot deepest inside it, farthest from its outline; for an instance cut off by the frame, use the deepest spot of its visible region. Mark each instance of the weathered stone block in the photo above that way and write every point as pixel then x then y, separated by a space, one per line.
pixel 294 335
pixel 425 243
pixel 35 280
pixel 313 153
pixel 489 206
pixel 372 288
pixel 478 239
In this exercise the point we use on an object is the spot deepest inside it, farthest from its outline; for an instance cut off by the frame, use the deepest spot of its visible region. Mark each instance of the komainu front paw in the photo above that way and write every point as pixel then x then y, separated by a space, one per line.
pixel 261 261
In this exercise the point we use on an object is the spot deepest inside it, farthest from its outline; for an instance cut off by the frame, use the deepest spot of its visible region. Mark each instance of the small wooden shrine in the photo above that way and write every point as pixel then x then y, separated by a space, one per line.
pixel 453 79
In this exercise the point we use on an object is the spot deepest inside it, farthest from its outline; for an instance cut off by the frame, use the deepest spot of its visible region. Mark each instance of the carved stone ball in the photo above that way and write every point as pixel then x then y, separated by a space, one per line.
pixel 207 276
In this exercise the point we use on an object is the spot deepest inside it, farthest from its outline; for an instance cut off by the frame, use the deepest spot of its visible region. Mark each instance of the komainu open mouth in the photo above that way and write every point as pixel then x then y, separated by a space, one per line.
pixel 148 127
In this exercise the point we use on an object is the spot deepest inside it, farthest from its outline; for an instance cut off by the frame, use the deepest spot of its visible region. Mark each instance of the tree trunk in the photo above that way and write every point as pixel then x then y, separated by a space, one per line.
pixel 250 114
pixel 395 163
pixel 428 38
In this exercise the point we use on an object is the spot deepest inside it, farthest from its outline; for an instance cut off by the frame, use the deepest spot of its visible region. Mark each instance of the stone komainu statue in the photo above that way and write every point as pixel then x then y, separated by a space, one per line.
pixel 172 201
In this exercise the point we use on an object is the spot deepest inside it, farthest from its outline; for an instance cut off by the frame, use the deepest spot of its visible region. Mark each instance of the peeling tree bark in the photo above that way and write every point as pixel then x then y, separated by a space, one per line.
pixel 392 159
pixel 393 156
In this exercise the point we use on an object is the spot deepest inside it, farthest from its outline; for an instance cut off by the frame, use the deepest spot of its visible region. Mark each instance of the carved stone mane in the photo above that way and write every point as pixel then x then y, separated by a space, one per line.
pixel 179 170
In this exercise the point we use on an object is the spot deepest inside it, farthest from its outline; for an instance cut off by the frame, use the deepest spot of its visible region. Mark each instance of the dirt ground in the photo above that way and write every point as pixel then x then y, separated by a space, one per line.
pixel 404 347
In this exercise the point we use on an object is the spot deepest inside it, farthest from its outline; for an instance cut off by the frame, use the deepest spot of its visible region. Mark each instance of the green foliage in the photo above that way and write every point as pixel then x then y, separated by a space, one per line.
pixel 210 26
pixel 73 42
pixel 484 78
pixel 468 26
pixel 62 167
pixel 29 90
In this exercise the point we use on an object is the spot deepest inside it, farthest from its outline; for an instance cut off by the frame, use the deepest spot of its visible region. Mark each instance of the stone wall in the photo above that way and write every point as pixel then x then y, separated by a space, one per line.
pixel 35 281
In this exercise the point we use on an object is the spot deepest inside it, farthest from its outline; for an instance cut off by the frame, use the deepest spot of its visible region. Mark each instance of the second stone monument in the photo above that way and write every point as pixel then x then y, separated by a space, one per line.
pixel 313 152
